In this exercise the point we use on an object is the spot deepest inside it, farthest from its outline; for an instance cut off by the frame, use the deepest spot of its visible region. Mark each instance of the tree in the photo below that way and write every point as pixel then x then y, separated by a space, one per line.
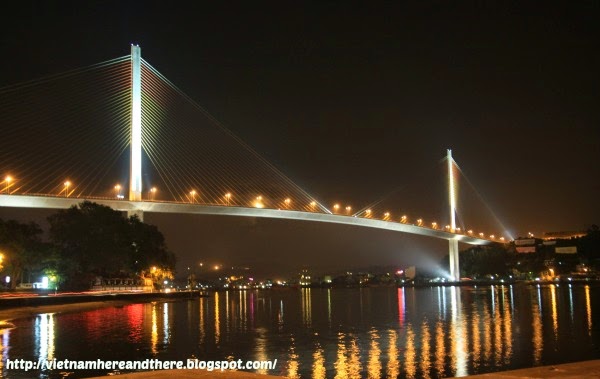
pixel 93 240
pixel 21 248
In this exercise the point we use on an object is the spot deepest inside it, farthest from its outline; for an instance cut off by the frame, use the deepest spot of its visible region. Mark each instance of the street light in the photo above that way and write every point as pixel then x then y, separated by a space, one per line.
pixel 336 207
pixel 368 213
pixel 420 222
pixel 67 185
pixel 227 198
pixel 7 180
pixel 287 202
pixel 192 196
pixel 258 203
pixel 152 193
pixel 403 219
pixel 386 216
pixel 117 190
pixel 434 225
pixel 313 205
pixel 348 209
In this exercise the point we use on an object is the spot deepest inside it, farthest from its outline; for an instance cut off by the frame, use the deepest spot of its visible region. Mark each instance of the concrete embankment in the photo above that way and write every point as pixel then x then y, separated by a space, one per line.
pixel 585 369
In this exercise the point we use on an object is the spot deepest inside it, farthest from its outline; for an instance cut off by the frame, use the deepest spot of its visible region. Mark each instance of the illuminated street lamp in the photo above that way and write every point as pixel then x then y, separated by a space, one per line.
pixel 481 235
pixel 152 193
pixel 192 196
pixel 434 225
pixel 287 202
pixel 502 239
pixel 227 198
pixel 420 222
pixel 258 203
pixel 470 232
pixel 313 205
pixel 117 190
pixel 368 213
pixel 1 261
pixel 336 207
pixel 492 236
pixel 7 180
pixel 403 219
pixel 67 184
pixel 348 209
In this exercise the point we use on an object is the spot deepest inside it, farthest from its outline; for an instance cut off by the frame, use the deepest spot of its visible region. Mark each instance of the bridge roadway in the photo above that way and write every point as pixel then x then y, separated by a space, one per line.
pixel 49 202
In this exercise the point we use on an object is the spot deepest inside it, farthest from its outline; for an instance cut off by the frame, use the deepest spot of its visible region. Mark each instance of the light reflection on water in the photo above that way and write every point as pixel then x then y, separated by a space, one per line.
pixel 333 333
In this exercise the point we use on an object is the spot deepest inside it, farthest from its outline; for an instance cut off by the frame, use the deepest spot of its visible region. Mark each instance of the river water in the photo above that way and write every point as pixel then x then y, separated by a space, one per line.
pixel 330 333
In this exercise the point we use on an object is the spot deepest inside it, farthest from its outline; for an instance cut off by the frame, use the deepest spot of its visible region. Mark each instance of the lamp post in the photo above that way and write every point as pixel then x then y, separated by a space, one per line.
pixel 67 184
pixel 7 180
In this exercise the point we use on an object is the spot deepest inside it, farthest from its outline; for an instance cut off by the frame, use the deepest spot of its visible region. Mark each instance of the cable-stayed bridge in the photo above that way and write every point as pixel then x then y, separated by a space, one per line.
pixel 121 134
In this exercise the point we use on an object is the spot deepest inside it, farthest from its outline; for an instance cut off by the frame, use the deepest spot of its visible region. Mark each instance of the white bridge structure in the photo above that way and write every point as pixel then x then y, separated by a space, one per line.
pixel 135 203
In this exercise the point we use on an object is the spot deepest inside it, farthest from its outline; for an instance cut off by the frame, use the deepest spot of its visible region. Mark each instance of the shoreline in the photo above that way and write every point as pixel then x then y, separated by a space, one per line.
pixel 32 306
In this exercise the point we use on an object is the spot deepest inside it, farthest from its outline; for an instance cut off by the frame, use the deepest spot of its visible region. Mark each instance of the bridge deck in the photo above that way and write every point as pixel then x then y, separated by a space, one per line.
pixel 43 202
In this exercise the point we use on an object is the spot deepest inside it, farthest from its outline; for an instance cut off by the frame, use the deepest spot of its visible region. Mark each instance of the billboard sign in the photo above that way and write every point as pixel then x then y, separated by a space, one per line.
pixel 566 250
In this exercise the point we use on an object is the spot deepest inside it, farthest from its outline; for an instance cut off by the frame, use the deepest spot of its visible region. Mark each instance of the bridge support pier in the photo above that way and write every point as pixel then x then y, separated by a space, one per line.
pixel 454 267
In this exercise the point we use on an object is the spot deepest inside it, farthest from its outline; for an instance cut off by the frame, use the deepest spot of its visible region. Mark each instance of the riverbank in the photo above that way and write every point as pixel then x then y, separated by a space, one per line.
pixel 22 307
pixel 585 369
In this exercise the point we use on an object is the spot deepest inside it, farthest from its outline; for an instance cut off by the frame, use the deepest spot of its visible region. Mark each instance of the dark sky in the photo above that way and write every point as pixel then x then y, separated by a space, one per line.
pixel 352 101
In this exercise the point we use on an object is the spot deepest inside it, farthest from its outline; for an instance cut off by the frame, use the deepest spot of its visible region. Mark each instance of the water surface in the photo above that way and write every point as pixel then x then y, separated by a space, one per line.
pixel 331 333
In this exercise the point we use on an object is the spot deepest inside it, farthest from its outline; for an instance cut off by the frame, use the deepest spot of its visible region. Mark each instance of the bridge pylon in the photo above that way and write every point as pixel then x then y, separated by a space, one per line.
pixel 453 243
pixel 135 171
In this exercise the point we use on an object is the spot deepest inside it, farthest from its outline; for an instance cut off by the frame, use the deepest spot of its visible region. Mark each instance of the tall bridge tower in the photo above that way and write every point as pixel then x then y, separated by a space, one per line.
pixel 135 173
pixel 453 243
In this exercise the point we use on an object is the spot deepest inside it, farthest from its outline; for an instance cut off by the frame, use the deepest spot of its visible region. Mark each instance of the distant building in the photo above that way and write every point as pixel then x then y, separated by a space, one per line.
pixel 563 235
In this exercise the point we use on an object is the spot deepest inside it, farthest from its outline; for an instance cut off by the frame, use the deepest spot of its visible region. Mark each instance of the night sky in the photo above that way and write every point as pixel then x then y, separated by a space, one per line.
pixel 352 101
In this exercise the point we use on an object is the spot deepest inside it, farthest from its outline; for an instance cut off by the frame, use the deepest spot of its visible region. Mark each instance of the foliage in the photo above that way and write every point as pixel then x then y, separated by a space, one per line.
pixel 21 247
pixel 479 261
pixel 589 245
pixel 93 240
